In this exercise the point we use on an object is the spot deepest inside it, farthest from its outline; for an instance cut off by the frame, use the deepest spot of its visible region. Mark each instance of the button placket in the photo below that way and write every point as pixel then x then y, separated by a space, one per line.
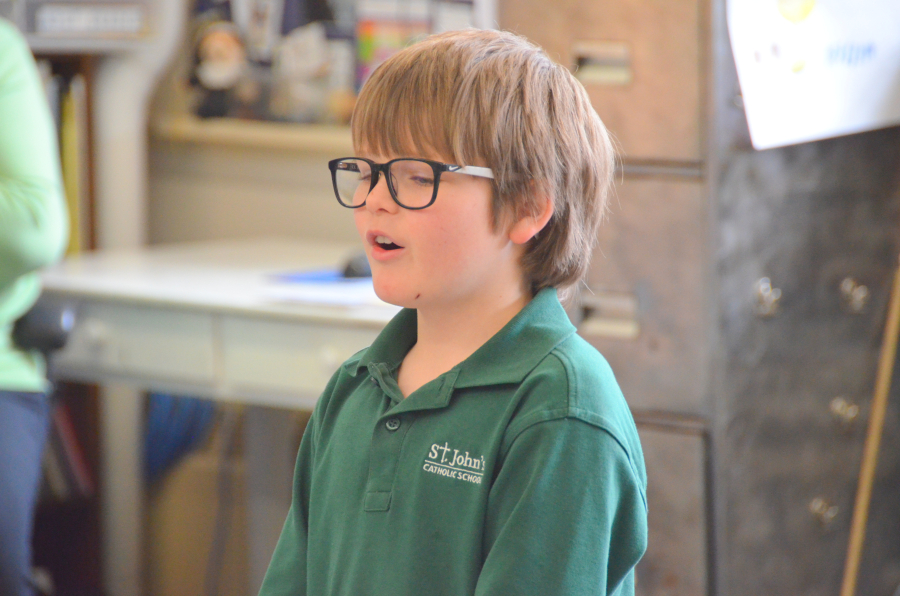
pixel 387 444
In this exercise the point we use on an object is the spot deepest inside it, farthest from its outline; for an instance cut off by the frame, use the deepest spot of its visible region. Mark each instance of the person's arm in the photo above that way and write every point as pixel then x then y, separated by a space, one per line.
pixel 566 515
pixel 33 217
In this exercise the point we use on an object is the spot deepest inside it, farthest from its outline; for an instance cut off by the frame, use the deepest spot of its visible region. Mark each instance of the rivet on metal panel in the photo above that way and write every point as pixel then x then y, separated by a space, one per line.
pixel 824 511
pixel 854 295
pixel 844 412
pixel 767 298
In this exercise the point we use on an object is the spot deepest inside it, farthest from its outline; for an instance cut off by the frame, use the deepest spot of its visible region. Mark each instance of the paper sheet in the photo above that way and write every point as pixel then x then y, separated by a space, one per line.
pixel 324 287
pixel 814 69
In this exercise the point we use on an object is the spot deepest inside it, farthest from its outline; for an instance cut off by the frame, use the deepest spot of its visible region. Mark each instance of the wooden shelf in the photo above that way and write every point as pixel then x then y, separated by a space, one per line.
pixel 313 138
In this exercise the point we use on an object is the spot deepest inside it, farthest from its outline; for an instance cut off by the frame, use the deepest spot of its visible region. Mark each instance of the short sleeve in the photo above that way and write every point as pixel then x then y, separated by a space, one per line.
pixel 566 515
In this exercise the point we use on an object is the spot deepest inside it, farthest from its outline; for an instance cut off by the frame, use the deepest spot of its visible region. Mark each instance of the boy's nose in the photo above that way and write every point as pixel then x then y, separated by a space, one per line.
pixel 379 198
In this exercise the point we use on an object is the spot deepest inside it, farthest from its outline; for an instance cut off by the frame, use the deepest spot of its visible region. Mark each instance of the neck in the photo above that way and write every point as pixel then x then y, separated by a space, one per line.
pixel 447 335
pixel 466 328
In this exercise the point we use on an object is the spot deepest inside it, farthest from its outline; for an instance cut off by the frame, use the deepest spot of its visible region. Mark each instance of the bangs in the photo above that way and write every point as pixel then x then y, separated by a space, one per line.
pixel 401 131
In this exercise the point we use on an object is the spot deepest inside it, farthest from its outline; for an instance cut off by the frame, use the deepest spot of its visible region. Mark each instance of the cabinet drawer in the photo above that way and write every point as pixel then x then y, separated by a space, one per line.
pixel 640 62
pixel 654 247
pixel 286 357
pixel 677 551
pixel 143 341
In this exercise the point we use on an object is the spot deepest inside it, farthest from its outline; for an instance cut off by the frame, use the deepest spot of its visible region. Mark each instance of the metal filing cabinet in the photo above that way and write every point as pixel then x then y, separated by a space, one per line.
pixel 740 297
pixel 640 60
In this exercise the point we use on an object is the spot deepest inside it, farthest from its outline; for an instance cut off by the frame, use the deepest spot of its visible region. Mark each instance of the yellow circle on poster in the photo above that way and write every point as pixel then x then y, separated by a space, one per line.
pixel 795 10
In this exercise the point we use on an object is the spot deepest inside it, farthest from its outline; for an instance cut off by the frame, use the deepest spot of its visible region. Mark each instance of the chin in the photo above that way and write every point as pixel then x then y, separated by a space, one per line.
pixel 403 297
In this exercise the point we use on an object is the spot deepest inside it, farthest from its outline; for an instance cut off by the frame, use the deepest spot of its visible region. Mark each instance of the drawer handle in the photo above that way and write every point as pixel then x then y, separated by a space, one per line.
pixel 854 296
pixel 610 314
pixel 844 412
pixel 823 511
pixel 330 358
pixel 767 298
pixel 96 334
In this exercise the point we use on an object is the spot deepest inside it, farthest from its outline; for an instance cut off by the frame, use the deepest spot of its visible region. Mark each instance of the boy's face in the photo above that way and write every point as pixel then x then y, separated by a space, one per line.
pixel 446 255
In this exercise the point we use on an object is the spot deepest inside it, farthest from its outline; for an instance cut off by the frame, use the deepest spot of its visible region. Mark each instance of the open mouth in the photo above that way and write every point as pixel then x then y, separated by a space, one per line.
pixel 386 243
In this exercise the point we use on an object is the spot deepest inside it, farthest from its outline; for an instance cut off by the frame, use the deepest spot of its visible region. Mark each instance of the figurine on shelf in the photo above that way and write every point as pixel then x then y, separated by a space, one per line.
pixel 222 73
pixel 300 75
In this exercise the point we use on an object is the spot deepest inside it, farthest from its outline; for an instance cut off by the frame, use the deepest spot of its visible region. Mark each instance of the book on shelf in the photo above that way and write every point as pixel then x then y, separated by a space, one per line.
pixel 67 474
pixel 55 485
pixel 67 100
pixel 75 460
pixel 73 151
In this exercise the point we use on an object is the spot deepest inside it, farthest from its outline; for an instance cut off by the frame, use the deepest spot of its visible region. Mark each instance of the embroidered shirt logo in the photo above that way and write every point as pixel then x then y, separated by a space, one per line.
pixel 446 461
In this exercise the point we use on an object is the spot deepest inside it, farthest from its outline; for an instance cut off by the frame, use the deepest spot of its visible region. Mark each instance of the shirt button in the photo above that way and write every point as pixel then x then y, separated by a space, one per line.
pixel 374 380
pixel 392 424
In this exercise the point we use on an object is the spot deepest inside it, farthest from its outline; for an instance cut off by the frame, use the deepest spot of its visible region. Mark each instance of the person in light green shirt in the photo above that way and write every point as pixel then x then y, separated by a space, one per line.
pixel 479 447
pixel 33 233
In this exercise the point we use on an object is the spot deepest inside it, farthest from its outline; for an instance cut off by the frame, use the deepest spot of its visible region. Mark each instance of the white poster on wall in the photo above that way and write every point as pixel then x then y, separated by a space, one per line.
pixel 815 69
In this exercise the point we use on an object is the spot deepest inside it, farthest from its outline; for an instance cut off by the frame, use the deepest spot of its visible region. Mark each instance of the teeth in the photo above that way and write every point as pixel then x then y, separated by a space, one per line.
pixel 383 240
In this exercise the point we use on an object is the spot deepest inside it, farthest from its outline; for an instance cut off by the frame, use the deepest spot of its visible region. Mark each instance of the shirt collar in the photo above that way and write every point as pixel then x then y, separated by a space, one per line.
pixel 517 348
pixel 391 345
pixel 505 358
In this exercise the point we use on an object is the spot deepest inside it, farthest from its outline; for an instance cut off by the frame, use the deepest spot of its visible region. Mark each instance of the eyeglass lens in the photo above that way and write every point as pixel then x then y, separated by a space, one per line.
pixel 411 182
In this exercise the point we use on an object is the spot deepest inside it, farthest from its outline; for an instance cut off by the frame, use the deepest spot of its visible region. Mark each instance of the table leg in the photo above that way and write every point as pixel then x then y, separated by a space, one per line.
pixel 122 491
pixel 269 455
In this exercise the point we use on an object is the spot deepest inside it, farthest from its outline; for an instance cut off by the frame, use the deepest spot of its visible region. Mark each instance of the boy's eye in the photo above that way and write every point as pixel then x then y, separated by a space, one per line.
pixel 413 173
pixel 422 180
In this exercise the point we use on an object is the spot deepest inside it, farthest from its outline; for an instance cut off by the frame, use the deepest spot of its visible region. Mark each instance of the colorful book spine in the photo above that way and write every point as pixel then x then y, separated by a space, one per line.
pixel 72 453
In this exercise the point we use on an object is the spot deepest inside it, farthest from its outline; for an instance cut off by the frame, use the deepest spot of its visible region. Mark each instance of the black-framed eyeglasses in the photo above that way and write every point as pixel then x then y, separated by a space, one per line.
pixel 413 183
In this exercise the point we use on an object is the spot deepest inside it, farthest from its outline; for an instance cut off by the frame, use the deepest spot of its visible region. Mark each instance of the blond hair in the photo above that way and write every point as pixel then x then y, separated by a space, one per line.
pixel 492 98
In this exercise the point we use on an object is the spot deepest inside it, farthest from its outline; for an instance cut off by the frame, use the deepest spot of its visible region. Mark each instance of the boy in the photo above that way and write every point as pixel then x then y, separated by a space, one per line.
pixel 479 446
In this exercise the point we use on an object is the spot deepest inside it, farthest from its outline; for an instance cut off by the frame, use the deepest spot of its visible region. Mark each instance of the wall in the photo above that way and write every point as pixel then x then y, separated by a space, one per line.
pixel 204 192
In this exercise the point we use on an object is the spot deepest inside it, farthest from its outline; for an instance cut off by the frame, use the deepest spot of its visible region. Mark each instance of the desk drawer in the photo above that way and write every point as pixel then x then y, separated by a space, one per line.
pixel 265 355
pixel 143 341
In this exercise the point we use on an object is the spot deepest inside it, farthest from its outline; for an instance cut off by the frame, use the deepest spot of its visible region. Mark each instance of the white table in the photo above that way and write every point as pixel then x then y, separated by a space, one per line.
pixel 200 320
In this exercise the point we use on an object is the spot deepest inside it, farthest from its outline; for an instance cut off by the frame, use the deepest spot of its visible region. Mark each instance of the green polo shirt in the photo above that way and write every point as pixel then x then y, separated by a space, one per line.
pixel 518 472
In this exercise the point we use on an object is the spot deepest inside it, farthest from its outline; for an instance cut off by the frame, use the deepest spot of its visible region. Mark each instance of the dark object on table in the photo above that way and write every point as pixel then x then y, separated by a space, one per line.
pixel 357 266
pixel 45 327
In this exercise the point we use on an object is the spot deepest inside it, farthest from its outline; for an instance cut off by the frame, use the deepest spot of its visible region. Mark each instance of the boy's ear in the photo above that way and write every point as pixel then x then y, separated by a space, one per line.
pixel 528 226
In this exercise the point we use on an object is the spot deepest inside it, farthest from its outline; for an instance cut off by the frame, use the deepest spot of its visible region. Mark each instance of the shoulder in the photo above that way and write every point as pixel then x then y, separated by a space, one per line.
pixel 575 382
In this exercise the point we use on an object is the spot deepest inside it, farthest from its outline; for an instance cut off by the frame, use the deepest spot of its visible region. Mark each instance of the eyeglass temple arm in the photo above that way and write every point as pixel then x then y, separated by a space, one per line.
pixel 473 171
